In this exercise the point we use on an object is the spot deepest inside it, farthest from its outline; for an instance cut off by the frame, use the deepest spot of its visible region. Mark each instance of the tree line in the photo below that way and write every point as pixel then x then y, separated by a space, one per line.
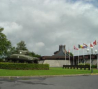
pixel 6 48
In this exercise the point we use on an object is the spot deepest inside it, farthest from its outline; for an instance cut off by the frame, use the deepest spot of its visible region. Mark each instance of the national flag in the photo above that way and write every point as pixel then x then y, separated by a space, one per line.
pixel 80 46
pixel 85 44
pixel 91 45
pixel 94 43
pixel 75 48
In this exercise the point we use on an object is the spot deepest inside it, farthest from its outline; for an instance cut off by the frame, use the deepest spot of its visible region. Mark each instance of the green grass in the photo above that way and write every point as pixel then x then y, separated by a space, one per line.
pixel 51 71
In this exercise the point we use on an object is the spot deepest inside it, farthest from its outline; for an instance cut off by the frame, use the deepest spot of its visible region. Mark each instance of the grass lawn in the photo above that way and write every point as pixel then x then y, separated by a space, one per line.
pixel 51 71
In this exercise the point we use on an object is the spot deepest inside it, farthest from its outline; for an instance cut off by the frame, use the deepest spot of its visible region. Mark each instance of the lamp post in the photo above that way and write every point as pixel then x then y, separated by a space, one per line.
pixel 20 52
pixel 97 58
pixel 90 59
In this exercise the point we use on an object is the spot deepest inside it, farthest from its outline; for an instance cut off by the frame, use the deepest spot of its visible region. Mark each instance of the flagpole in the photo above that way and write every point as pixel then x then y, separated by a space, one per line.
pixel 69 55
pixel 73 56
pixel 83 57
pixel 65 56
pixel 78 56
pixel 91 47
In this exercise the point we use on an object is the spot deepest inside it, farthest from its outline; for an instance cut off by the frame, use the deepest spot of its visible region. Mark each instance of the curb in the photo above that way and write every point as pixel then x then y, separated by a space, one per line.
pixel 48 76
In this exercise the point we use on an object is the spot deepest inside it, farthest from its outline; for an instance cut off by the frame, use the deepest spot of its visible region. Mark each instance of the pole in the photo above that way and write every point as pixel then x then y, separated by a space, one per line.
pixel 69 55
pixel 90 61
pixel 65 56
pixel 69 58
pixel 83 57
pixel 73 56
pixel 78 57
pixel 97 61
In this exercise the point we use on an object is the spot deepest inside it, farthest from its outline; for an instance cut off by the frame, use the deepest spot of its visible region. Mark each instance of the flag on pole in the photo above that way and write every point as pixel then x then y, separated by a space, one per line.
pixel 75 48
pixel 94 43
pixel 85 45
pixel 91 45
pixel 80 46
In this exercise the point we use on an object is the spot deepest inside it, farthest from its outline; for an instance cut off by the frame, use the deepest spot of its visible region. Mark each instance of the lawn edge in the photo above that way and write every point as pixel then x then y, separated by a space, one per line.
pixel 49 75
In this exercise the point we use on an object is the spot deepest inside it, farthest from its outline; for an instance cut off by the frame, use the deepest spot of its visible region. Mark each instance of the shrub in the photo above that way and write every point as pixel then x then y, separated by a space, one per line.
pixel 94 66
pixel 81 63
pixel 24 66
pixel 1 60
pixel 87 64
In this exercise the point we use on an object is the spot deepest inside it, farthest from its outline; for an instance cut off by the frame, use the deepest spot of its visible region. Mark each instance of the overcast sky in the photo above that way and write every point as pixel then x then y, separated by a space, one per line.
pixel 46 24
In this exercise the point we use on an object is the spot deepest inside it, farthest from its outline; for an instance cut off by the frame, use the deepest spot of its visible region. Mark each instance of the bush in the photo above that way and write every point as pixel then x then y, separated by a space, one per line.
pixel 24 66
pixel 94 66
pixel 1 60
pixel 87 64
pixel 81 63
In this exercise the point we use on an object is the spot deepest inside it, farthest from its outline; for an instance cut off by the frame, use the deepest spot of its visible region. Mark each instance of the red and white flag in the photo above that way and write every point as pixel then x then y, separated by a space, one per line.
pixel 75 48
pixel 91 45
pixel 94 43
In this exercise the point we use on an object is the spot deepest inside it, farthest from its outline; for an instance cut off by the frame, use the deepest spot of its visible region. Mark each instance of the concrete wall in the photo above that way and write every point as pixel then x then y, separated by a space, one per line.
pixel 56 63
pixel 94 61
pixel 60 63
pixel 41 62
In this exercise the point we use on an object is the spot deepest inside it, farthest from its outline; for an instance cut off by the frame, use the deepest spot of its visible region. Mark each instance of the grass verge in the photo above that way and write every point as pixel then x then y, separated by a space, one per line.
pixel 51 71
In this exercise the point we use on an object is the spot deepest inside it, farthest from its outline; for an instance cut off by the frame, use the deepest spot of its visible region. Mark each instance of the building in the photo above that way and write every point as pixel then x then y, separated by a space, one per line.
pixel 58 59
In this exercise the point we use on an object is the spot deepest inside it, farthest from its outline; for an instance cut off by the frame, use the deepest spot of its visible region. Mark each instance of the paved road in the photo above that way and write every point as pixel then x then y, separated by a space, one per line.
pixel 68 82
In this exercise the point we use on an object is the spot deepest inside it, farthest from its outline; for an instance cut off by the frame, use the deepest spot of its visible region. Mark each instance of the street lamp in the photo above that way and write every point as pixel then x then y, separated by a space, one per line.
pixel 97 58
pixel 90 59
pixel 87 50
pixel 20 52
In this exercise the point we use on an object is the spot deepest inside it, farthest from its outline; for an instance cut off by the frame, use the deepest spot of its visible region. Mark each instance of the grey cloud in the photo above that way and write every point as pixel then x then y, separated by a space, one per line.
pixel 46 24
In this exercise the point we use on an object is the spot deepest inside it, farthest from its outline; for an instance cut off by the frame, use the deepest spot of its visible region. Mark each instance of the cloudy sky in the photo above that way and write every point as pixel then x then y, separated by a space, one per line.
pixel 46 24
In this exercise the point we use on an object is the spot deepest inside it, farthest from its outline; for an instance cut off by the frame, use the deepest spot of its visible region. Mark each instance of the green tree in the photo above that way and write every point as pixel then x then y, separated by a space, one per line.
pixel 21 46
pixel 70 53
pixel 5 44
pixel 32 54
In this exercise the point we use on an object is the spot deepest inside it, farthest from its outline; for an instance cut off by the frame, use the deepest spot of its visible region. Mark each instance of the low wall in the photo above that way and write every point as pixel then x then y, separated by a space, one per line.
pixel 94 61
pixel 56 63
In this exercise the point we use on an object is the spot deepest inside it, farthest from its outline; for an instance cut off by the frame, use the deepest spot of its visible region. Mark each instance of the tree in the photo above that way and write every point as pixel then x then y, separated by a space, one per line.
pixel 5 44
pixel 32 54
pixel 21 46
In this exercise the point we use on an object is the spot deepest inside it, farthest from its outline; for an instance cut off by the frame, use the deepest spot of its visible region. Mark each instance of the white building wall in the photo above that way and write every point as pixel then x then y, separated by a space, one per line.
pixel 56 63
pixel 60 63
pixel 88 61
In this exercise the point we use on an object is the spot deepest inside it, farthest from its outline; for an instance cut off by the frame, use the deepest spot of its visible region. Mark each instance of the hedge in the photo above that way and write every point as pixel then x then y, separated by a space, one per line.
pixel 24 66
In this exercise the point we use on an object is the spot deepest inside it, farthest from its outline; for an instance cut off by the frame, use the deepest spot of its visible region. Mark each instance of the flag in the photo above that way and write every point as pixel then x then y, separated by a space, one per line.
pixel 80 46
pixel 91 45
pixel 85 44
pixel 75 48
pixel 94 43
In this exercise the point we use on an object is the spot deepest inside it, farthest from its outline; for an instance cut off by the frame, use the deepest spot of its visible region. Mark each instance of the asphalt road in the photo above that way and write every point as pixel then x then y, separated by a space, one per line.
pixel 67 82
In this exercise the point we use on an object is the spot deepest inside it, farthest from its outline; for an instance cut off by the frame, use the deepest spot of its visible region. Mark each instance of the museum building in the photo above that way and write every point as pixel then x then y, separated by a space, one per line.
pixel 62 57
